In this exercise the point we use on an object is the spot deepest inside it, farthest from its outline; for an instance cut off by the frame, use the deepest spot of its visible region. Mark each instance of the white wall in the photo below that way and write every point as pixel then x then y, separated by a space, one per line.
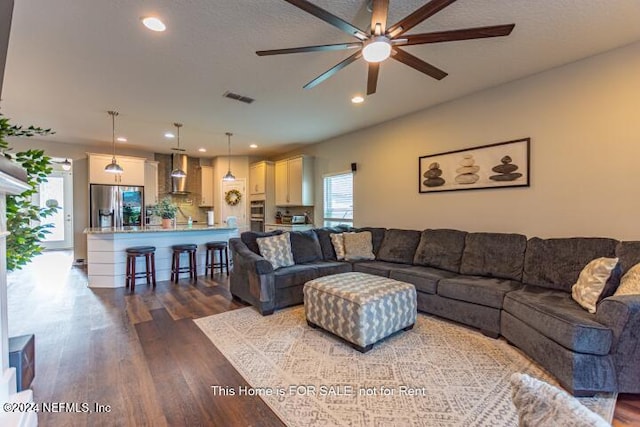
pixel 584 121
pixel 78 154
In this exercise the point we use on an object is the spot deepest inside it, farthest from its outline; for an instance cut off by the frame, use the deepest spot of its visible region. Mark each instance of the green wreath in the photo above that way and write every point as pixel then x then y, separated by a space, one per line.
pixel 232 197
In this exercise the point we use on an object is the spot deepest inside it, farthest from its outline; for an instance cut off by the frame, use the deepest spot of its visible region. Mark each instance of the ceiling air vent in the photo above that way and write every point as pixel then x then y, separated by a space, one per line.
pixel 231 95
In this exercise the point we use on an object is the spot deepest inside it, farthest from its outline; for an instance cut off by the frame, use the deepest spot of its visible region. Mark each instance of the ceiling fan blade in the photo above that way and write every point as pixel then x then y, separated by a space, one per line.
pixel 418 64
pixel 463 34
pixel 410 21
pixel 329 18
pixel 372 80
pixel 379 16
pixel 324 76
pixel 319 48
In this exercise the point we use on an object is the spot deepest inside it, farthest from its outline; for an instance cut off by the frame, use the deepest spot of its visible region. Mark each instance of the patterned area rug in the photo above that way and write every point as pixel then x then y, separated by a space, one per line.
pixel 438 374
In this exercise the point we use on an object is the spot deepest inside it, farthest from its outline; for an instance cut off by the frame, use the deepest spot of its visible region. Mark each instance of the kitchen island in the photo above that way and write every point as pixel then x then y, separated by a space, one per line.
pixel 106 257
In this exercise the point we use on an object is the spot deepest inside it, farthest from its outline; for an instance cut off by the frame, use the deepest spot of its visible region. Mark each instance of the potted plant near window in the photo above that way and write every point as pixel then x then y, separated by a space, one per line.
pixel 166 210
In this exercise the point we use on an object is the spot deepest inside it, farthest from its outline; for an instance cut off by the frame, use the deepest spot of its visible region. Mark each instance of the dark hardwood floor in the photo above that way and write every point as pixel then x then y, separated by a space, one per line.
pixel 140 354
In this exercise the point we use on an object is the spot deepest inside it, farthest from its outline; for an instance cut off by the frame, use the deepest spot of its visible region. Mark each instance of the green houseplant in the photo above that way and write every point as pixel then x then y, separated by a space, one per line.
pixel 165 210
pixel 24 219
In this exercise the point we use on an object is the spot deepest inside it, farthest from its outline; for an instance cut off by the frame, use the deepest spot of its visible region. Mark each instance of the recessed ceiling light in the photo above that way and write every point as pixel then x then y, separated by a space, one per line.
pixel 121 139
pixel 357 99
pixel 202 150
pixel 154 24
pixel 169 135
pixel 253 146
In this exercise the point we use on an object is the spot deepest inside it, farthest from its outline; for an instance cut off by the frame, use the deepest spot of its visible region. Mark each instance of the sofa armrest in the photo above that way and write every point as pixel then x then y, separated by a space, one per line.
pixel 252 277
pixel 622 315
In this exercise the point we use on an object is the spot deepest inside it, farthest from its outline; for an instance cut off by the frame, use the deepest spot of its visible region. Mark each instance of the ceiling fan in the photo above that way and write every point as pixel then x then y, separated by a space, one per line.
pixel 382 42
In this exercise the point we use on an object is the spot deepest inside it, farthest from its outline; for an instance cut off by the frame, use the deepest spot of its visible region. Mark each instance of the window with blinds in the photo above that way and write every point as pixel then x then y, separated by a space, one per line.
pixel 338 199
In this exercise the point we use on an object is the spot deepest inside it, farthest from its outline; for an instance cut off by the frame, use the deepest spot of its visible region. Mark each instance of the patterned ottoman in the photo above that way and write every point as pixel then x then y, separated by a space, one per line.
pixel 360 308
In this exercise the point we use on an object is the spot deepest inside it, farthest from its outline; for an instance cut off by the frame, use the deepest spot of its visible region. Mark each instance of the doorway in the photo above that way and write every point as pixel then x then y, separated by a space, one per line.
pixel 239 210
pixel 58 191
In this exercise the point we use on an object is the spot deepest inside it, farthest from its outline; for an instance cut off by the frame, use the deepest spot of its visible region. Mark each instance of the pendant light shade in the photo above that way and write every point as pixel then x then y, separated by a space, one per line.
pixel 66 165
pixel 177 172
pixel 229 176
pixel 113 167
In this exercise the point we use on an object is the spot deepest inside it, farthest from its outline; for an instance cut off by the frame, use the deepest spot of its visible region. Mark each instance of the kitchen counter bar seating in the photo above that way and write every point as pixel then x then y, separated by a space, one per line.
pixel 148 252
pixel 190 250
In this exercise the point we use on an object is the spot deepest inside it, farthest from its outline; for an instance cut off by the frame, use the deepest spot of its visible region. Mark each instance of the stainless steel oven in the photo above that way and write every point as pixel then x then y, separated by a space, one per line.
pixel 257 215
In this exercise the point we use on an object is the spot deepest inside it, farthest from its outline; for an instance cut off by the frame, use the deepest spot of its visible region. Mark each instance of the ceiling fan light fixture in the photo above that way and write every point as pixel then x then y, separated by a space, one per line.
pixel 377 49
pixel 154 24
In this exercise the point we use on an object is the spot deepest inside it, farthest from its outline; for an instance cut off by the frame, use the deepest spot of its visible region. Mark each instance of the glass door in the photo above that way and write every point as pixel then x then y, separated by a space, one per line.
pixel 58 191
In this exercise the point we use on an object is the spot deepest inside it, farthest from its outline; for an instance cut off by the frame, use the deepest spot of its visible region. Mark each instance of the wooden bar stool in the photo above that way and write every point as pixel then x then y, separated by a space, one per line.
pixel 192 269
pixel 223 256
pixel 149 254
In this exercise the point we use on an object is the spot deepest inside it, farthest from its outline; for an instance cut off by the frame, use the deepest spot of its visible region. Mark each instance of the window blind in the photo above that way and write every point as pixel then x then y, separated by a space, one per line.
pixel 338 199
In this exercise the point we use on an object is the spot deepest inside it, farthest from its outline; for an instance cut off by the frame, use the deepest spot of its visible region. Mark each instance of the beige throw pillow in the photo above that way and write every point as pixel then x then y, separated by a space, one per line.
pixel 276 250
pixel 630 283
pixel 591 282
pixel 358 246
pixel 338 245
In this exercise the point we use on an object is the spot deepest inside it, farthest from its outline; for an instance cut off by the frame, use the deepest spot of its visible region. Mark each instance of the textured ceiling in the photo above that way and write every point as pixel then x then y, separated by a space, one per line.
pixel 70 61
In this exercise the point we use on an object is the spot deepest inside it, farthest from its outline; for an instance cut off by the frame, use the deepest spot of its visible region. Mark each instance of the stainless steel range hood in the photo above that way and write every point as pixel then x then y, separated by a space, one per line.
pixel 179 185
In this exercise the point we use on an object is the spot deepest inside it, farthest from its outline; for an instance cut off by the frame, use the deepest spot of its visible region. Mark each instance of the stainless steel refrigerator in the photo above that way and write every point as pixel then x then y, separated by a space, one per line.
pixel 116 206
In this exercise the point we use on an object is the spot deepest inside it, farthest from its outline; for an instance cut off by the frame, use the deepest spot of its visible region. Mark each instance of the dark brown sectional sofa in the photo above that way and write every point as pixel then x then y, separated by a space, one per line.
pixel 503 284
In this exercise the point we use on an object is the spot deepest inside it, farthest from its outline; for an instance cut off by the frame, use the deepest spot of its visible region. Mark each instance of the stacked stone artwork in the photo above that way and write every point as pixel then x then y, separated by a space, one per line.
pixel 468 172
pixel 433 176
pixel 506 170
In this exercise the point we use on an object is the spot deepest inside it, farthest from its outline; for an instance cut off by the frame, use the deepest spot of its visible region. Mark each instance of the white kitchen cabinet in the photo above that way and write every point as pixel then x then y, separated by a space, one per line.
pixel 150 183
pixel 133 170
pixel 294 181
pixel 206 186
pixel 257 178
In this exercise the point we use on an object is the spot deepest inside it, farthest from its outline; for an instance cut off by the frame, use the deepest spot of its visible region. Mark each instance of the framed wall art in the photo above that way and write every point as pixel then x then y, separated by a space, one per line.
pixel 505 164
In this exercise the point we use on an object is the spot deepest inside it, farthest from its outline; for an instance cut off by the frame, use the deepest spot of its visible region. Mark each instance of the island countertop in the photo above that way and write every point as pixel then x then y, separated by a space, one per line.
pixel 106 249
pixel 155 229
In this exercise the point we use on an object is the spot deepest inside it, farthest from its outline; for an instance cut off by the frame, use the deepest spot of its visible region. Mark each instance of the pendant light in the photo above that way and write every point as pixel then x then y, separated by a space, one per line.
pixel 177 172
pixel 66 165
pixel 113 167
pixel 229 176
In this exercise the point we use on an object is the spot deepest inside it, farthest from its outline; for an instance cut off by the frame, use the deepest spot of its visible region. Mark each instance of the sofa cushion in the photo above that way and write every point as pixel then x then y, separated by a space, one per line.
pixel 325 268
pixel 630 283
pixel 557 263
pixel 377 235
pixel 494 255
pixel 629 254
pixel 305 246
pixel 399 246
pixel 441 249
pixel 337 240
pixel 249 239
pixel 592 281
pixel 425 279
pixel 276 250
pixel 296 275
pixel 558 317
pixel 379 268
pixel 357 246
pixel 328 253
pixel 485 291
